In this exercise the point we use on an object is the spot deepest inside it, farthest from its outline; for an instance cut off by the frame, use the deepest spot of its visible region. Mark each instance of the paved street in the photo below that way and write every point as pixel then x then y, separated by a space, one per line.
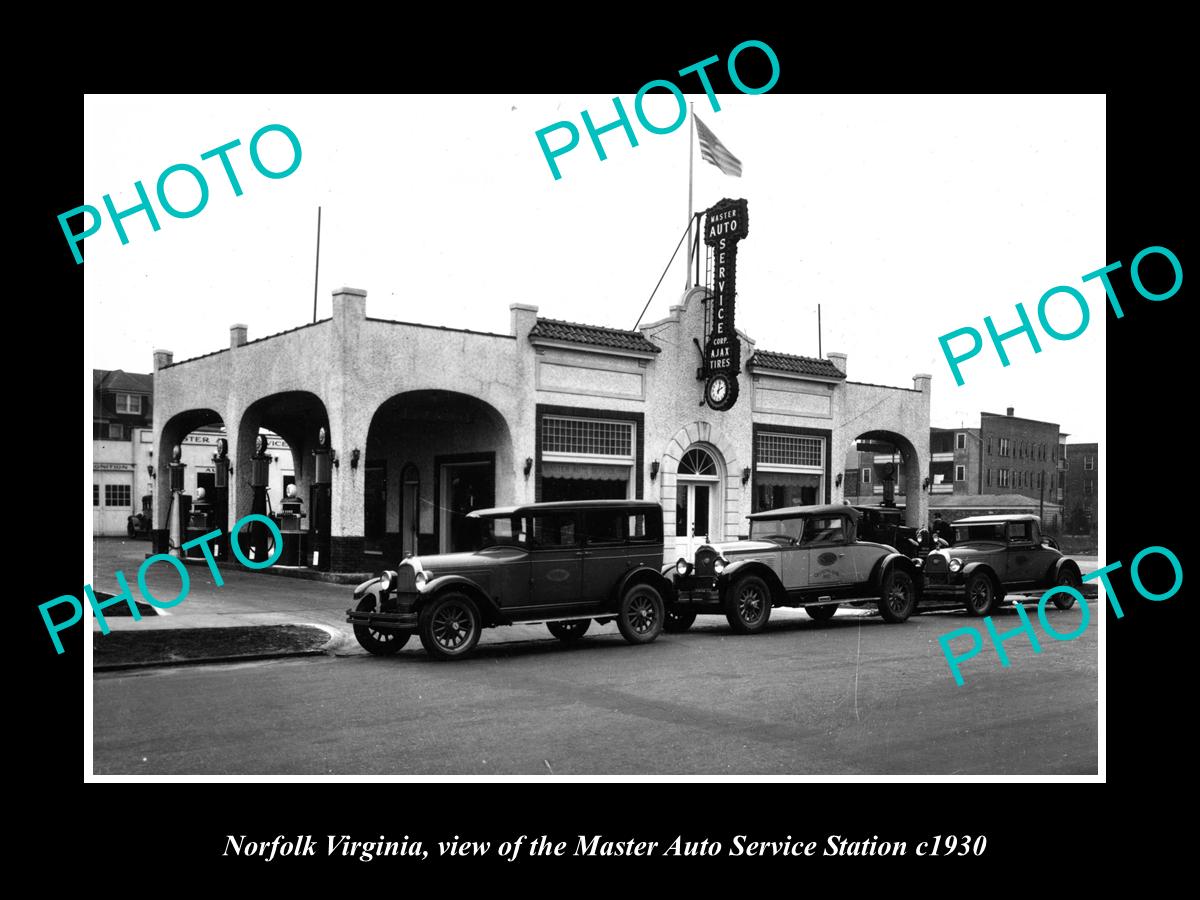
pixel 851 696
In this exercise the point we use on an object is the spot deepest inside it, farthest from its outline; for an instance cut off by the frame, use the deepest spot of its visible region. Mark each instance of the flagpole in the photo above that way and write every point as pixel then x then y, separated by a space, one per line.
pixel 691 115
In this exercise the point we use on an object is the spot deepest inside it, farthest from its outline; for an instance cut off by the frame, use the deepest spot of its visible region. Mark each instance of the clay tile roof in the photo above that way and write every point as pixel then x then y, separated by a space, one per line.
pixel 594 335
pixel 799 365
pixel 118 380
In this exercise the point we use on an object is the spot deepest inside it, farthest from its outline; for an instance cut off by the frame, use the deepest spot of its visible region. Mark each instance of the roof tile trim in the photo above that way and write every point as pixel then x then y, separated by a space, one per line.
pixel 593 335
pixel 801 365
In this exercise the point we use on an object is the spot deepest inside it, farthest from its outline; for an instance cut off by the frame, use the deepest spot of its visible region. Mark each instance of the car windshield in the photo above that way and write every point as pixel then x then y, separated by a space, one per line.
pixel 993 531
pixel 501 531
pixel 781 531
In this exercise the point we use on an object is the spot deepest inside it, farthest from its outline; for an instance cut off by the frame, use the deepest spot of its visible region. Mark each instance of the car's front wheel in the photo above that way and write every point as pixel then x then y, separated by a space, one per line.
pixel 450 626
pixel 821 613
pixel 1067 578
pixel 567 632
pixel 898 598
pixel 981 594
pixel 378 641
pixel 748 605
pixel 641 614
pixel 678 621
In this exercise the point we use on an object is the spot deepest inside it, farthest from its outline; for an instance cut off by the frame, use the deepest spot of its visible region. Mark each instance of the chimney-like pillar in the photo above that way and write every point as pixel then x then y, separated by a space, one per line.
pixel 162 359
pixel 237 335
pixel 838 360
pixel 522 318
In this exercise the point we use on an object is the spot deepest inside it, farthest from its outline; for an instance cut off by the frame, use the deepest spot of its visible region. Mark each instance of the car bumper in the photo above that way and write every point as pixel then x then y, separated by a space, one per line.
pixel 942 583
pixel 696 590
pixel 393 620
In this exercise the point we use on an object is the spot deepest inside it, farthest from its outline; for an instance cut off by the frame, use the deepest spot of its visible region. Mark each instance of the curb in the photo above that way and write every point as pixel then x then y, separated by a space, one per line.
pixel 208 660
pixel 303 574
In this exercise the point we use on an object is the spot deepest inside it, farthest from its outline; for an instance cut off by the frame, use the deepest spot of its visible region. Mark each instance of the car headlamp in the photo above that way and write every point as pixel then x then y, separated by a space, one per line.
pixel 956 565
pixel 719 564
pixel 681 567
pixel 386 580
pixel 420 577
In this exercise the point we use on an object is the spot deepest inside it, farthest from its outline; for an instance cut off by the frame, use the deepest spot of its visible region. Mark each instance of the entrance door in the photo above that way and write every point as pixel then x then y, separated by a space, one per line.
pixel 410 510
pixel 698 500
pixel 465 486
pixel 374 505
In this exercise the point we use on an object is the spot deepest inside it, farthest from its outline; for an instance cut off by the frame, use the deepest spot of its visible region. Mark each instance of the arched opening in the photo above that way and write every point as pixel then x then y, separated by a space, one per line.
pixel 290 452
pixel 699 498
pixel 432 457
pixel 191 493
pixel 882 470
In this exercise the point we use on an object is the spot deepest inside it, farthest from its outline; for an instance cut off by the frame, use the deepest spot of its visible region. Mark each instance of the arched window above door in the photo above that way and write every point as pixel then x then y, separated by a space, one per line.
pixel 697 462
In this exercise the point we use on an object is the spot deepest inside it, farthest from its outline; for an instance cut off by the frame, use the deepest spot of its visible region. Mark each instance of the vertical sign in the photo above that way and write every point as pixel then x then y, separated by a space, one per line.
pixel 724 226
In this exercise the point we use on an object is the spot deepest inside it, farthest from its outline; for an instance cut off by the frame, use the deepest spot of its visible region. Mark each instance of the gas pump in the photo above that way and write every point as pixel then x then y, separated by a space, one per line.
pixel 260 474
pixel 888 472
pixel 175 510
pixel 321 501
pixel 201 520
pixel 220 498
pixel 292 511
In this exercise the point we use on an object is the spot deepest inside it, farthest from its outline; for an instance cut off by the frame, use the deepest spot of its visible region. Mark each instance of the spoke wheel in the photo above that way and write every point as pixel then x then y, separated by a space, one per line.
pixel 748 605
pixel 641 615
pixel 981 595
pixel 678 621
pixel 568 632
pixel 378 641
pixel 899 597
pixel 450 626
pixel 1068 578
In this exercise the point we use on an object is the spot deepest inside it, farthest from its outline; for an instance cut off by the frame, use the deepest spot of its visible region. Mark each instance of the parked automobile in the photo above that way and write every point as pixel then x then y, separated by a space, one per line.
pixel 799 556
pixel 139 523
pixel 995 555
pixel 563 563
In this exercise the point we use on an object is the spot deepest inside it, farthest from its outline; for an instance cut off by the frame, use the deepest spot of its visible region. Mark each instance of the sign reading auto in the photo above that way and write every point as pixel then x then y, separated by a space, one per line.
pixel 725 225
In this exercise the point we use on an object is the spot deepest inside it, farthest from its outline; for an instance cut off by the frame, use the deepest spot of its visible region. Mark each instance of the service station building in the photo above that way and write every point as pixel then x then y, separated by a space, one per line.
pixel 423 424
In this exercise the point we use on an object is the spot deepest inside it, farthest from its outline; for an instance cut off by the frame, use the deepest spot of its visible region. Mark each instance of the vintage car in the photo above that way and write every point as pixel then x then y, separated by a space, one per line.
pixel 799 556
pixel 139 523
pixel 563 563
pixel 995 555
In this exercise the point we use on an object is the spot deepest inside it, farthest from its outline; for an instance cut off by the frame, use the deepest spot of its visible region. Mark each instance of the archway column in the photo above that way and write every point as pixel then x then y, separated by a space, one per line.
pixel 730 486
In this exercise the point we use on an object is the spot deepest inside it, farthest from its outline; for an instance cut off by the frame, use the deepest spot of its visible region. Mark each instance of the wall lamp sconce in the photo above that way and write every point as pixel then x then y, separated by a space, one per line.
pixel 838 479
pixel 746 473
pixel 354 456
pixel 333 458
pixel 654 470
pixel 151 472
pixel 528 466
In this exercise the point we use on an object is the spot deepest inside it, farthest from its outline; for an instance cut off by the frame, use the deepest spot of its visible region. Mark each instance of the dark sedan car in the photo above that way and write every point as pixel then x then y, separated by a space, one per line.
pixel 993 556
pixel 563 563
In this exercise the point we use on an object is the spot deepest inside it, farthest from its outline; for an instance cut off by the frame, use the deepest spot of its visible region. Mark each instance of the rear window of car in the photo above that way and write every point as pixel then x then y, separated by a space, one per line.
pixel 824 530
pixel 643 528
pixel 993 531
pixel 782 531
pixel 552 530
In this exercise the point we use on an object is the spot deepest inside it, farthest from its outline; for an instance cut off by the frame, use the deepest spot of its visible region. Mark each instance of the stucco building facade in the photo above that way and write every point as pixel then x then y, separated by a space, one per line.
pixel 426 423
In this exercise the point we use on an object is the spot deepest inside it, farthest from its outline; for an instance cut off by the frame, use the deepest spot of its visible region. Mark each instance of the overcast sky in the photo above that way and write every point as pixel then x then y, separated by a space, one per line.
pixel 904 217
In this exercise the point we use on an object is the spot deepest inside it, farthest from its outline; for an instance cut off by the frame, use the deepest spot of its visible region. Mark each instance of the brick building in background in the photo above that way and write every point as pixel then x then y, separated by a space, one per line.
pixel 1081 502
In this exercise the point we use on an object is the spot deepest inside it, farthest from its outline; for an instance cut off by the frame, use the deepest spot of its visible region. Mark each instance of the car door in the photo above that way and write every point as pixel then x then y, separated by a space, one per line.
pixel 826 539
pixel 793 557
pixel 605 556
pixel 556 559
pixel 1023 557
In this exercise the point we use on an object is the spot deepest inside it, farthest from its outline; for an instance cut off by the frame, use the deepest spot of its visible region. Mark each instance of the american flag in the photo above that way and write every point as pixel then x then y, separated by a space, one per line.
pixel 715 152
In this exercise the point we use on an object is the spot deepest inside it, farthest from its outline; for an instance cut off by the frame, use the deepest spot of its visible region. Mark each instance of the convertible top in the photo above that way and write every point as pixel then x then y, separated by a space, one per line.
pixel 792 512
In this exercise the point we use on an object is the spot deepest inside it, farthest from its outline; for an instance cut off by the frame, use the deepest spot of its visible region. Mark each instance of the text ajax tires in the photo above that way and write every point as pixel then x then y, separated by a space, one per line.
pixel 449 626
pixel 747 604
pixel 380 641
pixel 898 598
pixel 641 614
pixel 1068 577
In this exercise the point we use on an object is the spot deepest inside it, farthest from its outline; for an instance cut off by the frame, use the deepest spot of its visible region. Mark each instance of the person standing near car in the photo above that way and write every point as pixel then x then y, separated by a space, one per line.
pixel 942 529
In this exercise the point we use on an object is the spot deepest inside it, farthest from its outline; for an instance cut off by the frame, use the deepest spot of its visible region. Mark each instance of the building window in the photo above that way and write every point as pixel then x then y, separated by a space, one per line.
pixel 1004 446
pixel 118 495
pixel 790 450
pixel 790 470
pixel 95 495
pixel 130 404
pixel 960 441
pixel 989 442
pixel 587 437
pixel 697 462
pixel 960 473
pixel 117 432
pixel 866 476
pixel 1004 476
pixel 989 477
pixel 1089 463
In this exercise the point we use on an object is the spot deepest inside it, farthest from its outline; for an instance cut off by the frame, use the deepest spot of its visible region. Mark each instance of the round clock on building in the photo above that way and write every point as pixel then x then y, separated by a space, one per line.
pixel 721 391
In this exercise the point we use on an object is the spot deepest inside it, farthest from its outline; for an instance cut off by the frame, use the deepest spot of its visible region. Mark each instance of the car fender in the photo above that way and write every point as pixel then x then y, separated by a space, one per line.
pixel 639 575
pixel 487 606
pixel 1061 563
pixel 891 561
pixel 735 570
pixel 972 567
